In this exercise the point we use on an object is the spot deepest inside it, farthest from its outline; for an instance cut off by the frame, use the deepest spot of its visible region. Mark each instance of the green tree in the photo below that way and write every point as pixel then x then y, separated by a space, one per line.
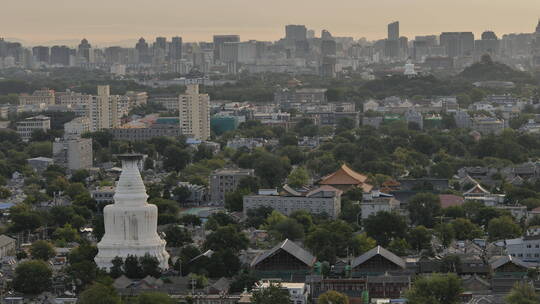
pixel 399 246
pixel 273 294
pixel 362 243
pixel 116 269
pixel 420 238
pixel 436 288
pixel 288 229
pixel 234 201
pixel 99 294
pixel 385 226
pixel 226 237
pixel 423 208
pixel 32 277
pixel 66 233
pixel 132 267
pixel 42 250
pixel 503 227
pixel 522 293
pixel 464 229
pixel 154 298
pixel 177 236
pixel 149 266
pixel 190 219
pixel 333 297
pixel 176 158
pixel 298 177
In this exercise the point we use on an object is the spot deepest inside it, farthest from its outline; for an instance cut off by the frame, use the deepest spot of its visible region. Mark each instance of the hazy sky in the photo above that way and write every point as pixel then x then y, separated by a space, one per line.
pixel 106 21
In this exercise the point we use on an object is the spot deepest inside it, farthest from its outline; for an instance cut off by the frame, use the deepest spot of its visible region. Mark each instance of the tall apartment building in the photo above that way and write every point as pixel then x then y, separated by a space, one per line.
pixel 225 181
pixel 26 127
pixel 44 96
pixel 194 111
pixel 73 152
pixel 219 41
pixel 457 44
pixel 104 110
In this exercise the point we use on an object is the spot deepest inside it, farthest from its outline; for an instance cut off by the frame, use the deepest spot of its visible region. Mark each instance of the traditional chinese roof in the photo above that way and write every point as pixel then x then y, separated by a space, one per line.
pixel 477 189
pixel 346 176
pixel 325 188
pixel 378 251
pixel 291 248
pixel 508 259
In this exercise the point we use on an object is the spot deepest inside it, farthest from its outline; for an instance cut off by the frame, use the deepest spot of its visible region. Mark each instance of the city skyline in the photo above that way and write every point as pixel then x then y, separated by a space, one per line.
pixel 61 23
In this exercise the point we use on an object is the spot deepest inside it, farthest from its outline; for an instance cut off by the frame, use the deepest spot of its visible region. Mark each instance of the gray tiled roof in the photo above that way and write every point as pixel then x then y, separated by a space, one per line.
pixel 378 251
pixel 508 258
pixel 290 247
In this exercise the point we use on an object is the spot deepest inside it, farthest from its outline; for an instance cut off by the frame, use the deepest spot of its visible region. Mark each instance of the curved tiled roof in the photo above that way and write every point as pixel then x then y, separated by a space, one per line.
pixel 346 176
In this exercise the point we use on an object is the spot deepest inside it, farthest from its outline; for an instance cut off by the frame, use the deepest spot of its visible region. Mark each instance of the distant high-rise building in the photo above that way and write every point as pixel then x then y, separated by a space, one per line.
pixel 175 51
pixel 393 31
pixel 295 32
pixel 219 40
pixel 195 113
pixel 457 44
pixel 41 53
pixel 60 55
pixel 392 46
pixel 142 51
pixel 84 50
pixel 489 44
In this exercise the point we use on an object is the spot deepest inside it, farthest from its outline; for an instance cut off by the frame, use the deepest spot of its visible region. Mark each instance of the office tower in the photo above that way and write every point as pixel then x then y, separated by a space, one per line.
pixel 130 223
pixel 393 31
pixel 328 47
pixel 175 51
pixel 84 50
pixel 310 34
pixel 403 47
pixel 60 55
pixel 161 43
pixel 391 46
pixel 41 53
pixel 142 51
pixel 219 40
pixel 489 44
pixel 295 32
pixel 457 44
pixel 195 113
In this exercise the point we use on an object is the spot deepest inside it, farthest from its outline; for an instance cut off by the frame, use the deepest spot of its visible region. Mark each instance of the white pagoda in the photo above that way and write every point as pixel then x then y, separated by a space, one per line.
pixel 130 223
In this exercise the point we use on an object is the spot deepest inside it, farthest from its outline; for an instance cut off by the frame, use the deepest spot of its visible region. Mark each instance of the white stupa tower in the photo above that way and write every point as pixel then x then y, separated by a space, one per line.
pixel 130 223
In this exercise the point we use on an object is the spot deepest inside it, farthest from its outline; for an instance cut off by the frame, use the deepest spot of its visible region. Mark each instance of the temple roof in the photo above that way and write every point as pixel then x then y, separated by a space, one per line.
pixel 346 176
pixel 508 259
pixel 378 251
pixel 477 189
pixel 291 248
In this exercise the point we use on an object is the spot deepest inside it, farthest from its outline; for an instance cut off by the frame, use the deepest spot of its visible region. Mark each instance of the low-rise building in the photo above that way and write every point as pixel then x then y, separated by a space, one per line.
pixel 224 181
pixel 73 152
pixel 322 200
pixel 7 246
pixel 487 125
pixel 298 292
pixel 39 97
pixel 40 164
pixel 376 201
pixel 104 194
pixel 146 133
pixel 26 127
pixel 77 126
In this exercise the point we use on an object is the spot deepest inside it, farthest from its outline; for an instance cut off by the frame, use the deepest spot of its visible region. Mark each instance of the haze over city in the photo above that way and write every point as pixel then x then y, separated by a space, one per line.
pixel 120 22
